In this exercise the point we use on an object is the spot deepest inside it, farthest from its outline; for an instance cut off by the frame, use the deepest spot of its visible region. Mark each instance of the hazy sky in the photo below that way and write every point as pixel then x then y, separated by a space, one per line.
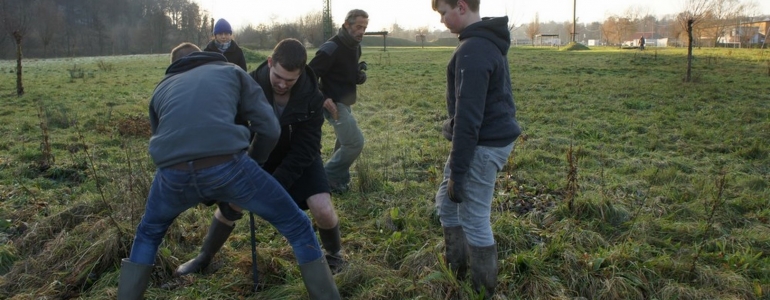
pixel 418 13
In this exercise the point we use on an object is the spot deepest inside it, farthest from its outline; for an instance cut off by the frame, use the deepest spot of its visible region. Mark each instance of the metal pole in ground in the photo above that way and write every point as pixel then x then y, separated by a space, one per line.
pixel 254 271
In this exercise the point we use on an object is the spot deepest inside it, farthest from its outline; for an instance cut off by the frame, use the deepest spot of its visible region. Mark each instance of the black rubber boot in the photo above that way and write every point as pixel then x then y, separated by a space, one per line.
pixel 215 238
pixel 456 251
pixel 332 243
pixel 133 280
pixel 319 281
pixel 484 269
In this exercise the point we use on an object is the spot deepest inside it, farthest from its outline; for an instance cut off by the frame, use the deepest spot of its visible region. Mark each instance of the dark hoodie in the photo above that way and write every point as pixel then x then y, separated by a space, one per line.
pixel 479 97
pixel 301 122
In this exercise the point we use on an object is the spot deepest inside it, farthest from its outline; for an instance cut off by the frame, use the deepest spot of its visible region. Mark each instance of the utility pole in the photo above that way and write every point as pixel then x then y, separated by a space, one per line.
pixel 327 20
pixel 574 20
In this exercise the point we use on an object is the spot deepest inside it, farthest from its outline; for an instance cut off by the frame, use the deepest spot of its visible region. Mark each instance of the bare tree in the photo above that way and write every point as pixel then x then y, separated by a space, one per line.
pixel 637 15
pixel 16 17
pixel 533 28
pixel 312 28
pixel 722 14
pixel 191 23
pixel 743 18
pixel 50 20
pixel 280 31
pixel 692 15
pixel 767 37
pixel 606 29
pixel 616 28
pixel 568 28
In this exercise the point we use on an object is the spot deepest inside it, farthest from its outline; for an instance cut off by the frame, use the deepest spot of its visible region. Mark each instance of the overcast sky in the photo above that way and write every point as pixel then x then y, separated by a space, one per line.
pixel 418 13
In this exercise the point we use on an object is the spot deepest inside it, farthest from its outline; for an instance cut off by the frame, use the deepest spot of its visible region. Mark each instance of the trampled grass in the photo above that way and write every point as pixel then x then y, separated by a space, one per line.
pixel 649 218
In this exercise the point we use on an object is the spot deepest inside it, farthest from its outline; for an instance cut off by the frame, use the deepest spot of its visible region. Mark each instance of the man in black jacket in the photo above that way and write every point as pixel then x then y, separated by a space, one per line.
pixel 295 162
pixel 336 64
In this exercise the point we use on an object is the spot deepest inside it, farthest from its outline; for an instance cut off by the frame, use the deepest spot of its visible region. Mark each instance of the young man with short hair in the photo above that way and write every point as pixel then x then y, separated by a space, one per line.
pixel 295 162
pixel 482 128
pixel 200 154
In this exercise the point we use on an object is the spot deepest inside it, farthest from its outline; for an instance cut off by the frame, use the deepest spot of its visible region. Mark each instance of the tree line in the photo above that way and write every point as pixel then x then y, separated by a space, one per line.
pixel 67 28
pixel 715 19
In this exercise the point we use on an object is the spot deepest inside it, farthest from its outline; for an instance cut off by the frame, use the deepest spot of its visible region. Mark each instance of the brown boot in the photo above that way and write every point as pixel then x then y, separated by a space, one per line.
pixel 484 269
pixel 215 238
pixel 332 243
pixel 456 251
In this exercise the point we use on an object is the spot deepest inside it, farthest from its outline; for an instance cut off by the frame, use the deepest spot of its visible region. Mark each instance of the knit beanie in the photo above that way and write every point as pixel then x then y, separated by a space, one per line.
pixel 222 26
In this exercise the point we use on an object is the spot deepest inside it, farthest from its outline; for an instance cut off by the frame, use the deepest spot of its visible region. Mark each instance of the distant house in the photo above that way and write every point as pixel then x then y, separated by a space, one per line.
pixel 651 39
pixel 745 34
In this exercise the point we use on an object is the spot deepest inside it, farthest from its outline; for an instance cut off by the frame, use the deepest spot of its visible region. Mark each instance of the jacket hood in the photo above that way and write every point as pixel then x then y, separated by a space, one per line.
pixel 194 60
pixel 492 29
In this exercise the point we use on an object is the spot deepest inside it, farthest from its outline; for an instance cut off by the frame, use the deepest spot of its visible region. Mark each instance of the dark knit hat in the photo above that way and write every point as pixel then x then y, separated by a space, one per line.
pixel 222 26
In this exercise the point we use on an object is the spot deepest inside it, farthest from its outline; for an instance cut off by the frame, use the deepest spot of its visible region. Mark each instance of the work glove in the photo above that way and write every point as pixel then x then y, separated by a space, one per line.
pixel 361 74
pixel 456 191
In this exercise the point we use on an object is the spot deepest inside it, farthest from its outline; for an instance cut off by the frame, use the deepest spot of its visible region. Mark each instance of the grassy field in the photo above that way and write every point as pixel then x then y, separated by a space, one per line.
pixel 626 184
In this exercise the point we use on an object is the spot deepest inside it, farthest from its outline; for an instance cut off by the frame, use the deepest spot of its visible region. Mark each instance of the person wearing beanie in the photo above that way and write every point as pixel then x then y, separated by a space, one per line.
pixel 223 43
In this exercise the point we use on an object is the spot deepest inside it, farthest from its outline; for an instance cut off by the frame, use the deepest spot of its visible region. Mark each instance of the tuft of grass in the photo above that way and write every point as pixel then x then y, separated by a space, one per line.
pixel 573 46
pixel 369 179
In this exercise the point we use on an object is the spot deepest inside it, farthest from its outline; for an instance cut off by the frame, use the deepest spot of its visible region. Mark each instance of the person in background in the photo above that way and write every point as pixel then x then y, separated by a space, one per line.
pixel 337 65
pixel 292 90
pixel 223 43
pixel 641 43
pixel 200 154
pixel 482 128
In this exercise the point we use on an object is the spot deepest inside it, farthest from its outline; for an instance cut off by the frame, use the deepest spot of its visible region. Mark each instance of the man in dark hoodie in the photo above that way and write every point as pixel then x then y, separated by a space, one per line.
pixel 200 154
pixel 482 128
pixel 336 64
pixel 292 89
pixel 223 43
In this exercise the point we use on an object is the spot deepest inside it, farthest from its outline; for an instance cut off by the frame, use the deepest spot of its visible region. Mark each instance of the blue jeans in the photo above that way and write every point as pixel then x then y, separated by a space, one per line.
pixel 240 181
pixel 350 142
pixel 473 214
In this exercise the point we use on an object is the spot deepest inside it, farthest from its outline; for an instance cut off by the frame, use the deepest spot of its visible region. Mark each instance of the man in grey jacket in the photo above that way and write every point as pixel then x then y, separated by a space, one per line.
pixel 200 153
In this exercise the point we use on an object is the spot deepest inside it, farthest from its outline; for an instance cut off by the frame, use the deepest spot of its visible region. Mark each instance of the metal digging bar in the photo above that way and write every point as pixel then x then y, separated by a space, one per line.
pixel 254 272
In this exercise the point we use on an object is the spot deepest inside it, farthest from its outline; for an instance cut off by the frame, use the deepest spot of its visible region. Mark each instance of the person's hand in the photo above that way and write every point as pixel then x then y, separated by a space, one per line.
pixel 456 191
pixel 361 77
pixel 362 66
pixel 330 106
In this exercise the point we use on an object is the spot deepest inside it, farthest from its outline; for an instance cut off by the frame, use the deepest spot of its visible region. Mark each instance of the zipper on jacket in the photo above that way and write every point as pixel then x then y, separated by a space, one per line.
pixel 291 130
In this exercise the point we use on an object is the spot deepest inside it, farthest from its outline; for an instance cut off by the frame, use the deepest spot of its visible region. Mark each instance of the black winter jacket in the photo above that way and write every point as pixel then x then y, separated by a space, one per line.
pixel 478 95
pixel 234 54
pixel 336 63
pixel 301 121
